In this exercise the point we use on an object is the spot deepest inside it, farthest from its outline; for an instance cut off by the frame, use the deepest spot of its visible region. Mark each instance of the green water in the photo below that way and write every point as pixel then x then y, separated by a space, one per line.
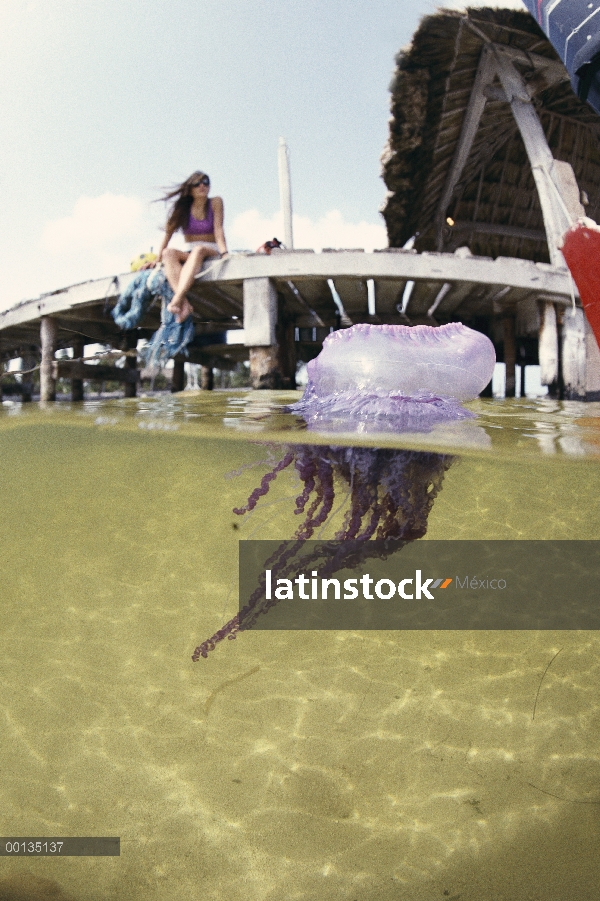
pixel 300 765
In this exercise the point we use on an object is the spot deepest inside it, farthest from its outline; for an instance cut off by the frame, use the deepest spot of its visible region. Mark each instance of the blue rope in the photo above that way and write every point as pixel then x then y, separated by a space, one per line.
pixel 172 337
pixel 138 297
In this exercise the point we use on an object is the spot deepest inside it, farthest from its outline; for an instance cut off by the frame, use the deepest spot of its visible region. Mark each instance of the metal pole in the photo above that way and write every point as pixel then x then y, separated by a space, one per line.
pixel 285 193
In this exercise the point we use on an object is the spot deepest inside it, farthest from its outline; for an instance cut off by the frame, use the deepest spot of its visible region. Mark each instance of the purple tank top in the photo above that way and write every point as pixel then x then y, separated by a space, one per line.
pixel 201 226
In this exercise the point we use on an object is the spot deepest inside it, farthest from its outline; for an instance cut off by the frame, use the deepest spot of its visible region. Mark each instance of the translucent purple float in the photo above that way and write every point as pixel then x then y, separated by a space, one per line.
pixel 396 378
pixel 389 378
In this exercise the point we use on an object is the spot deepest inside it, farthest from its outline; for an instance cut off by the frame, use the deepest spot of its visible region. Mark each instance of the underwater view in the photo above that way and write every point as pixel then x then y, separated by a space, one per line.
pixel 333 764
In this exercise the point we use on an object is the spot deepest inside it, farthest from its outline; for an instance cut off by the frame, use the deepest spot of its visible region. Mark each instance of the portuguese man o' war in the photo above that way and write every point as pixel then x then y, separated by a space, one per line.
pixel 370 376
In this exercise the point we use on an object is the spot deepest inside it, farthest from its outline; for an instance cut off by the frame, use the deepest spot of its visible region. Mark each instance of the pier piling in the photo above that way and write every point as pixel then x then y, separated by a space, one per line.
pixel 178 376
pixel 207 380
pixel 48 335
pixel 76 382
pixel 131 364
pixel 260 327
pixel 508 327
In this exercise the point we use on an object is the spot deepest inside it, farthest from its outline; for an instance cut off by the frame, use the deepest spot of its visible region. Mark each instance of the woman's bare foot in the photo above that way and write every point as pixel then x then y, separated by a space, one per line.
pixel 186 310
pixel 181 310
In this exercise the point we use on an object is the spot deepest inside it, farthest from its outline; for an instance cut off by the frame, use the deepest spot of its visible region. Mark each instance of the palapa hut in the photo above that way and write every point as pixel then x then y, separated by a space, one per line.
pixel 464 96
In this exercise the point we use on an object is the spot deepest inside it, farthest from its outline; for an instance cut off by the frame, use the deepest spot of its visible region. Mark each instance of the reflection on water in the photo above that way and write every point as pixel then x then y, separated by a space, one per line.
pixel 356 765
pixel 524 428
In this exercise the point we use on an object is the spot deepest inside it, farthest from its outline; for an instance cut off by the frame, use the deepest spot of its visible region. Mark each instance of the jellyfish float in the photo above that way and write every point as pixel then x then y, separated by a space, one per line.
pixel 370 378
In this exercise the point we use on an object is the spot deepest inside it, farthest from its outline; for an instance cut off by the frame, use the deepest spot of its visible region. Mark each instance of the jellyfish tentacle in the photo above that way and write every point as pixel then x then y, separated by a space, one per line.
pixel 264 485
pixel 362 502
pixel 391 495
pixel 327 495
pixel 315 503
pixel 307 471
pixel 371 527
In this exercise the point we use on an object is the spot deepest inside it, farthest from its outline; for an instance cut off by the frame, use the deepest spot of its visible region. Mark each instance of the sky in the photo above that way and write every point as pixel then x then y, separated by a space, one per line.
pixel 104 104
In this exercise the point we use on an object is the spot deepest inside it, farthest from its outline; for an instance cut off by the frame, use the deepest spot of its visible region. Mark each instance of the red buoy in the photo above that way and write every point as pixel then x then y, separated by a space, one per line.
pixel 581 250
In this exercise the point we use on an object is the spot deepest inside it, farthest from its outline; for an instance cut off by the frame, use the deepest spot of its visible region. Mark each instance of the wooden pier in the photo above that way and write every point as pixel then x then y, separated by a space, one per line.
pixel 286 304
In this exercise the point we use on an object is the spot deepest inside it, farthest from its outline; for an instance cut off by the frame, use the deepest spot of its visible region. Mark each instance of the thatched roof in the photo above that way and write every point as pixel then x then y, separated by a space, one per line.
pixel 495 205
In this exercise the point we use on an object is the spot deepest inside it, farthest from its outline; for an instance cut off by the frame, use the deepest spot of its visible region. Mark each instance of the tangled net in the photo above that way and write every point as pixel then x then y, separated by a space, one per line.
pixel 390 495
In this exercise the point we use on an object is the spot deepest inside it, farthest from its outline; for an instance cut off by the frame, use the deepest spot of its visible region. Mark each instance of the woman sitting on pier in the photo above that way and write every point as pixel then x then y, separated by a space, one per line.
pixel 200 218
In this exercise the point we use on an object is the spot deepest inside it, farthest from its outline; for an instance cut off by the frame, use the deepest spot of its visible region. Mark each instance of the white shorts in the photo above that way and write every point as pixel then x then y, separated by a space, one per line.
pixel 189 245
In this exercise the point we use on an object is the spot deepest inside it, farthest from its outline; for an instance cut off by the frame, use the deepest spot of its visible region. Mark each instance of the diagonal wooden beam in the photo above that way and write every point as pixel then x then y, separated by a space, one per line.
pixel 549 179
pixel 485 75
pixel 493 57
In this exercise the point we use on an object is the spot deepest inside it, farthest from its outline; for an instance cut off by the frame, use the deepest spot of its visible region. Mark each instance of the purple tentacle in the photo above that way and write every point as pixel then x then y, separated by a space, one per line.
pixel 264 485
pixel 391 495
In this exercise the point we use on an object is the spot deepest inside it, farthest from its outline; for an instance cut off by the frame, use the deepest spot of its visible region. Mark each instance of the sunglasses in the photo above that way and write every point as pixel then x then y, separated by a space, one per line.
pixel 205 180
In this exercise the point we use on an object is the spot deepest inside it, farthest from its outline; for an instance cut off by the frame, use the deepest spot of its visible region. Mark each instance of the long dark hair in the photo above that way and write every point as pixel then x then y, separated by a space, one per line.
pixel 179 213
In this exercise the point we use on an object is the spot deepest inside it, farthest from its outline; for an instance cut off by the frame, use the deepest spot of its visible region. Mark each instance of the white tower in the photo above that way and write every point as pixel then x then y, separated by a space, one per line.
pixel 285 193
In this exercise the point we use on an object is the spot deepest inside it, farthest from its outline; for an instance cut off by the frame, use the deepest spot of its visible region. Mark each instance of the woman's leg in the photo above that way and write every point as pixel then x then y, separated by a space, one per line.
pixel 180 305
pixel 173 261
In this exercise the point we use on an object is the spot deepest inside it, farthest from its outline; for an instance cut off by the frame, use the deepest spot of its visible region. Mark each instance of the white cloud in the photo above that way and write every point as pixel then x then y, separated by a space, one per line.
pixel 99 237
pixel 250 229
pixel 95 222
